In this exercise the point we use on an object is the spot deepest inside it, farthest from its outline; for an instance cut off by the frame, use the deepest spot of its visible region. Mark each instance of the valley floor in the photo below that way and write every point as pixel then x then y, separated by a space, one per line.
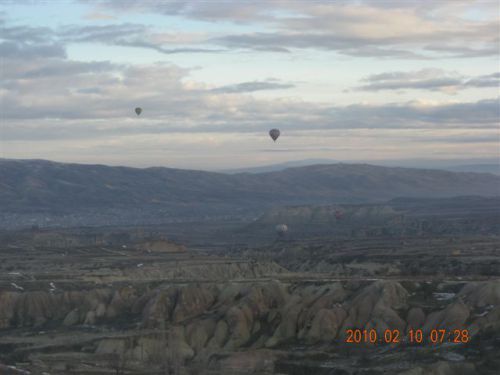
pixel 285 307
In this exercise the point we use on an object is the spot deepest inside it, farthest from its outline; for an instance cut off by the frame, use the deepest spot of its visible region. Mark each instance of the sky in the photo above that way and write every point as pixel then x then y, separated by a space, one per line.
pixel 342 80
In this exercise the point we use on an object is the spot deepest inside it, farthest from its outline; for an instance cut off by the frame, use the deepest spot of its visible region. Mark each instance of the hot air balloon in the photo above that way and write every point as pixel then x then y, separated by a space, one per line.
pixel 138 110
pixel 281 229
pixel 274 133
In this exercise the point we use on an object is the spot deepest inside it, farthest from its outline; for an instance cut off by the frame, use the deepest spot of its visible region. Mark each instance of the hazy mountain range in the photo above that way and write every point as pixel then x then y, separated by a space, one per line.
pixel 38 185
pixel 479 166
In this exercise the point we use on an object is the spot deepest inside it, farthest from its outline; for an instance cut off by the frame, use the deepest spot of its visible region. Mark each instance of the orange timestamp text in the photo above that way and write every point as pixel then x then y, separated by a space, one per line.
pixel 412 336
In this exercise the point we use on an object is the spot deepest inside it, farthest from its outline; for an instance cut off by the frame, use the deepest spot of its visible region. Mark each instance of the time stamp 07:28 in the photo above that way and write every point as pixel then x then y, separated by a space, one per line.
pixel 413 336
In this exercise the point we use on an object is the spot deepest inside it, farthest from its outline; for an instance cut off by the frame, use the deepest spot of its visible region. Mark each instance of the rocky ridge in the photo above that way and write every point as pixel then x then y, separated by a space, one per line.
pixel 194 322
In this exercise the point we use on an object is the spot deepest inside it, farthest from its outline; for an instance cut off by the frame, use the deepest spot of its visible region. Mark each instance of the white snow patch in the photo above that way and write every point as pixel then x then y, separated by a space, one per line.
pixel 17 286
pixel 443 296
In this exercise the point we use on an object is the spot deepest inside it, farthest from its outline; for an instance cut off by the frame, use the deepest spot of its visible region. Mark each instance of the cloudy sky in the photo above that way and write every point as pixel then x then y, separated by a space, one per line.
pixel 343 80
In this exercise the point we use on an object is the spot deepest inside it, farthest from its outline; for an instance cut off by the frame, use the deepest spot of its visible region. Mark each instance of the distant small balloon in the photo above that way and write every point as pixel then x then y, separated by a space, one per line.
pixel 281 229
pixel 274 133
pixel 138 110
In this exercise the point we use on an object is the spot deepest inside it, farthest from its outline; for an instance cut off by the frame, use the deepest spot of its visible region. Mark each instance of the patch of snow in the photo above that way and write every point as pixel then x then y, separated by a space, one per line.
pixel 443 296
pixel 17 286
pixel 453 357
pixel 487 309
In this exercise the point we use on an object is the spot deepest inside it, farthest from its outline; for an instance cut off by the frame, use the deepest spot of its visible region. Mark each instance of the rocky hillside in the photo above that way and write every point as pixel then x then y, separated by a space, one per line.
pixel 139 303
pixel 245 320
pixel 316 220
pixel 399 217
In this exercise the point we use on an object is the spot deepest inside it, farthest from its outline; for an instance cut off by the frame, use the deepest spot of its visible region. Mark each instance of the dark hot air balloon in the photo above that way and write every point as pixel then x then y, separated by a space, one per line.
pixel 274 133
pixel 138 110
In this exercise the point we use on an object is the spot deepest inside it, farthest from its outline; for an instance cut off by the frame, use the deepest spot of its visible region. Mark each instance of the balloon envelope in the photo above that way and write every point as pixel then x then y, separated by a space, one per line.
pixel 138 110
pixel 281 229
pixel 274 133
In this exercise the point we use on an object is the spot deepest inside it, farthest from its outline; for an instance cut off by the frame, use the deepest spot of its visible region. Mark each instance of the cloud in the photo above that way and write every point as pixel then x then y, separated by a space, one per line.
pixel 51 97
pixel 96 99
pixel 491 138
pixel 46 69
pixel 23 51
pixel 205 10
pixel 24 42
pixel 55 104
pixel 98 16
pixel 415 30
pixel 428 79
pixel 26 34
pixel 417 114
pixel 135 35
pixel 252 87
pixel 438 30
pixel 489 80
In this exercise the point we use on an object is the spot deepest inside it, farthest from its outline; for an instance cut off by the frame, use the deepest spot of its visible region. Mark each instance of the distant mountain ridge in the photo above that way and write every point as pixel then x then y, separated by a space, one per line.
pixel 479 168
pixel 38 185
pixel 280 166
pixel 488 166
